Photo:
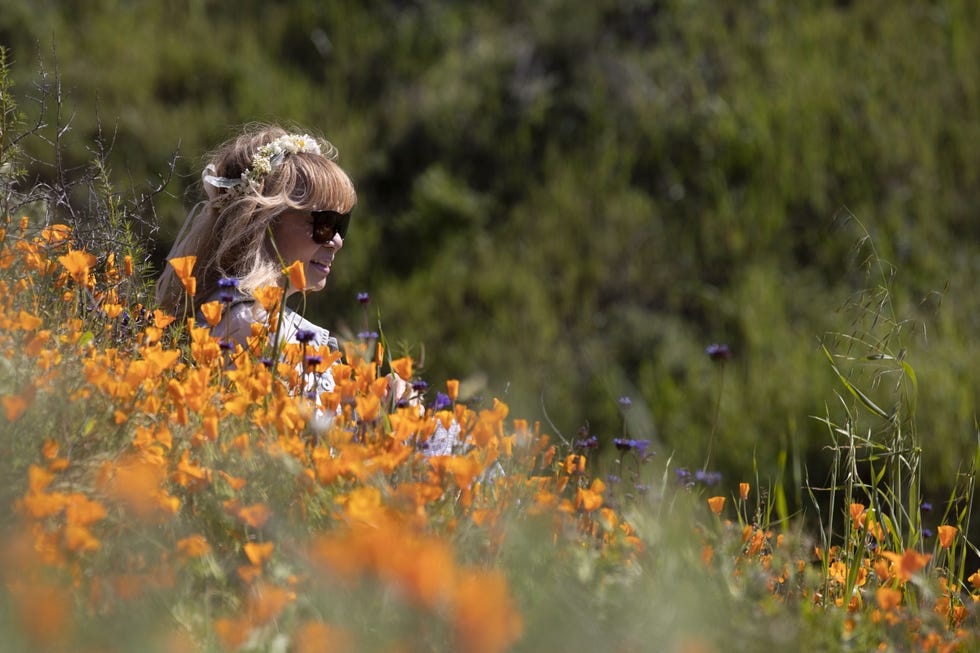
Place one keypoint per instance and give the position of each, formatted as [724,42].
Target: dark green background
[565,202]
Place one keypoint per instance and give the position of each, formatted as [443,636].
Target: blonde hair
[229,232]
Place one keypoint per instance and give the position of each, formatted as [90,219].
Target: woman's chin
[317,286]
[311,286]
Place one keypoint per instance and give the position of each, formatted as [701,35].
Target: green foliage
[154,498]
[567,203]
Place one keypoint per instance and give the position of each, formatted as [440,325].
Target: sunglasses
[327,224]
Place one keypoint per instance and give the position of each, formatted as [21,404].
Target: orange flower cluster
[224,463]
[423,571]
[862,577]
[150,460]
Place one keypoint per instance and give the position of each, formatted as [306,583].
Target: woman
[273,198]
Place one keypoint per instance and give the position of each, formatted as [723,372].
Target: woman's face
[293,234]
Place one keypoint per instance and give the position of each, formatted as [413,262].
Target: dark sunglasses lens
[328,223]
[343,221]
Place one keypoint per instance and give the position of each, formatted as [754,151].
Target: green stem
[714,420]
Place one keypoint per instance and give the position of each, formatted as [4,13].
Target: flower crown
[266,159]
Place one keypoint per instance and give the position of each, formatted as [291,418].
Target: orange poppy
[362,504]
[80,538]
[269,297]
[857,514]
[258,553]
[161,320]
[946,535]
[82,511]
[44,612]
[906,565]
[78,264]
[14,406]
[485,617]
[183,266]
[574,464]
[452,389]
[888,598]
[49,449]
[212,312]
[368,407]
[717,504]
[40,505]
[403,368]
[134,482]
[318,637]
[27,322]
[588,500]
[193,546]
[235,482]
[160,359]
[267,602]
[232,633]
[296,274]
[249,573]
[56,234]
[255,515]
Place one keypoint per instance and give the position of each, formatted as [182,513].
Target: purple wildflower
[706,477]
[718,352]
[313,361]
[639,446]
[685,478]
[228,282]
[419,385]
[442,401]
[305,336]
[363,298]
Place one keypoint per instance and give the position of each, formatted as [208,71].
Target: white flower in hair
[266,159]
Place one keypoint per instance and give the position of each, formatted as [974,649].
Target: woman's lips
[322,266]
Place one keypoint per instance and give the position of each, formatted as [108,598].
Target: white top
[236,323]
[239,315]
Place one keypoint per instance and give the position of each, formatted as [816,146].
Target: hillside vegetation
[565,203]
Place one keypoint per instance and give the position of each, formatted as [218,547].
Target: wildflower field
[165,491]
